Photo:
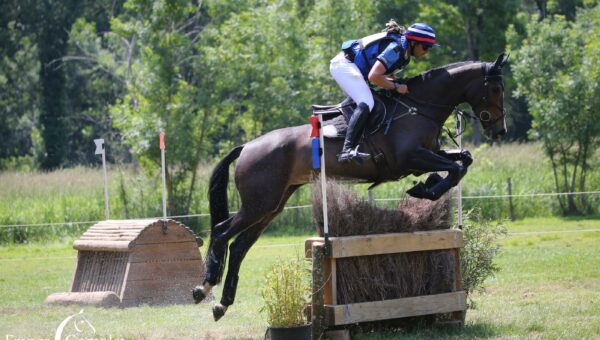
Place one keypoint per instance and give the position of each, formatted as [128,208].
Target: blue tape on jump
[316,155]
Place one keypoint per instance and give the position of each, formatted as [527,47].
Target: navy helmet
[421,33]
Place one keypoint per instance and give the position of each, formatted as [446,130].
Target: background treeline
[214,74]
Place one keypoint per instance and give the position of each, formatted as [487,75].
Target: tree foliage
[557,71]
[217,73]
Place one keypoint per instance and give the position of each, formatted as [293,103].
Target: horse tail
[217,192]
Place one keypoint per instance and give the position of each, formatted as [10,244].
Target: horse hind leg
[215,263]
[217,251]
[238,250]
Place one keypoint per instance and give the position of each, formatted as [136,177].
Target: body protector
[388,48]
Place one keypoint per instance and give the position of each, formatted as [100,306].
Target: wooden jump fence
[327,313]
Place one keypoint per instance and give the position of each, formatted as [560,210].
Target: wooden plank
[379,244]
[103,299]
[167,247]
[328,289]
[120,232]
[175,233]
[397,308]
[166,271]
[161,291]
[333,280]
[459,316]
[166,254]
[318,317]
[102,245]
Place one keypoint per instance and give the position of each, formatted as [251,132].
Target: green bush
[481,247]
[286,292]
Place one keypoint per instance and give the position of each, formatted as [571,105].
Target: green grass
[548,287]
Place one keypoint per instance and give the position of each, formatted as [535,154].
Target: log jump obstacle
[132,262]
[327,313]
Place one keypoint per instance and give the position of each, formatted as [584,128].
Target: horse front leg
[456,155]
[429,161]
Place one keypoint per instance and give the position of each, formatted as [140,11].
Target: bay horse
[271,167]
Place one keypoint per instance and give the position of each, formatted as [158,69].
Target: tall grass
[77,195]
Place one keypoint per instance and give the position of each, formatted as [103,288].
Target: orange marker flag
[162,140]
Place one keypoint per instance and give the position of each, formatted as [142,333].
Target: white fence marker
[324,188]
[164,181]
[101,151]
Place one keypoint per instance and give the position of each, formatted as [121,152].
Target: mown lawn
[548,287]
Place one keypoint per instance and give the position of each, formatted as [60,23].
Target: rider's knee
[370,102]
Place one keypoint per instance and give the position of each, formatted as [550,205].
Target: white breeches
[350,80]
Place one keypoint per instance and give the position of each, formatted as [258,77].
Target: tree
[557,70]
[162,91]
[19,91]
[54,22]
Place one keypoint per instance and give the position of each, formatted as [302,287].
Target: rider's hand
[402,89]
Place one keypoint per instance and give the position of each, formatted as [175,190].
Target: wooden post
[319,322]
[510,202]
[458,316]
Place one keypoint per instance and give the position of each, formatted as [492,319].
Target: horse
[271,167]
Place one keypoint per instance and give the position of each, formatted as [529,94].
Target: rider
[375,58]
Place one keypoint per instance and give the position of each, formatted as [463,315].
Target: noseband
[484,116]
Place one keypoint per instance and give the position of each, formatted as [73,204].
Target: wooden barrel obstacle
[327,312]
[132,262]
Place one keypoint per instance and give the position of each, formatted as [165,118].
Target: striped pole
[318,160]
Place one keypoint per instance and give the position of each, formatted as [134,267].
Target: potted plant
[286,296]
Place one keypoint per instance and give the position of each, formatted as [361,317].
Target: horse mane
[440,71]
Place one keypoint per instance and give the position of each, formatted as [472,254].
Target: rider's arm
[378,76]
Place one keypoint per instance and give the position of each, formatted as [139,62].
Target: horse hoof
[432,180]
[421,191]
[218,311]
[198,294]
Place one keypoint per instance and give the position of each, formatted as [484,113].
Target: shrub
[481,247]
[286,292]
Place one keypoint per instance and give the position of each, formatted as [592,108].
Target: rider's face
[420,50]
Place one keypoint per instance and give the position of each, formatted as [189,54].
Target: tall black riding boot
[355,130]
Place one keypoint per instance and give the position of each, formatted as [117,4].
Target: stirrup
[352,155]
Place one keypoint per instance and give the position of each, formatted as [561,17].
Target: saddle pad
[336,117]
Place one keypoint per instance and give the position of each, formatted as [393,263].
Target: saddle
[337,116]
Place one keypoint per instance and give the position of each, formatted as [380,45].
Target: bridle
[490,74]
[487,77]
[484,116]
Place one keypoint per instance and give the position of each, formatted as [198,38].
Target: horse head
[487,99]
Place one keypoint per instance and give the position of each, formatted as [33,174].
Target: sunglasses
[425,47]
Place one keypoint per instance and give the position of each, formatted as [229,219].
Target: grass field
[548,287]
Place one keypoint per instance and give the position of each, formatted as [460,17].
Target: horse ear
[501,61]
[505,60]
[498,62]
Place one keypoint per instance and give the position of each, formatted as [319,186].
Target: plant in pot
[286,296]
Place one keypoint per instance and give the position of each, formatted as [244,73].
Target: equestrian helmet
[421,33]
